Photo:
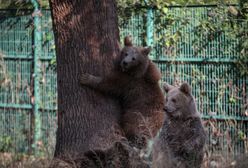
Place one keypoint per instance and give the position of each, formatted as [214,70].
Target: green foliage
[162,3]
[15,4]
[222,19]
[233,21]
[5,143]
[44,3]
[21,4]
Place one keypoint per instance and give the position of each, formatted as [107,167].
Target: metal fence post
[149,29]
[37,52]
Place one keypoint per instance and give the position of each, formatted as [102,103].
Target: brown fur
[119,155]
[134,81]
[182,138]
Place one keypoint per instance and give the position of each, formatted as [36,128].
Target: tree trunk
[86,38]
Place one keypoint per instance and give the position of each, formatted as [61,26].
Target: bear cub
[182,137]
[134,82]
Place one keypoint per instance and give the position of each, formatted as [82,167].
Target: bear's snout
[124,65]
[165,108]
[169,109]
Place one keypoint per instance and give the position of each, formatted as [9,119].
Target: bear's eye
[126,54]
[133,59]
[174,100]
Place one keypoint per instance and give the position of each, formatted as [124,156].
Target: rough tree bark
[86,38]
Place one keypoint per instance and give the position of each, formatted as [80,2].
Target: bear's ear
[146,50]
[128,41]
[167,87]
[185,88]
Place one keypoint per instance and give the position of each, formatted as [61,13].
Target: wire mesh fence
[221,93]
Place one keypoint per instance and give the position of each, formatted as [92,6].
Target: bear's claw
[84,78]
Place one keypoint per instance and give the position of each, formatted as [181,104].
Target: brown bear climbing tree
[134,82]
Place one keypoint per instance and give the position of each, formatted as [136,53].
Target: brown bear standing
[134,82]
[182,138]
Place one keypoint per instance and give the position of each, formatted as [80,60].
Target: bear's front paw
[85,78]
[90,80]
